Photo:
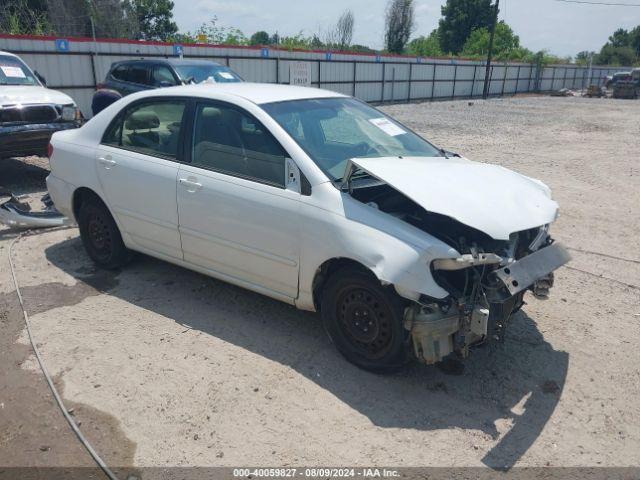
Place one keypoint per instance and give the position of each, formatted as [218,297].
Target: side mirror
[451,154]
[166,83]
[43,81]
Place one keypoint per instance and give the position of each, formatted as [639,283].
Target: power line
[601,3]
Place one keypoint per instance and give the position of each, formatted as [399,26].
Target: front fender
[397,253]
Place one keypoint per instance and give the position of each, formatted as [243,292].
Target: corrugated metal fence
[76,65]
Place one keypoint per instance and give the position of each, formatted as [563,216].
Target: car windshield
[14,72]
[334,130]
[200,73]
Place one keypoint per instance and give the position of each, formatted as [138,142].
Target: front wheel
[100,235]
[365,320]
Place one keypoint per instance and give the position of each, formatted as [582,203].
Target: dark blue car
[132,76]
[135,75]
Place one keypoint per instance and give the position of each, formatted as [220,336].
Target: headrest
[210,113]
[141,120]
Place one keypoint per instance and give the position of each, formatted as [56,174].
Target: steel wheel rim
[365,321]
[99,235]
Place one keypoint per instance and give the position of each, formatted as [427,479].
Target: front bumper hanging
[18,215]
[538,266]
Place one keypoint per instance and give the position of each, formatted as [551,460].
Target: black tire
[100,235]
[364,320]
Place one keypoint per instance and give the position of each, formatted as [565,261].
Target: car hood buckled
[489,198]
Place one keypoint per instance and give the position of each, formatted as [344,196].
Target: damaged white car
[318,200]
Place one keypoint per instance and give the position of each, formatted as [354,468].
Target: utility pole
[487,74]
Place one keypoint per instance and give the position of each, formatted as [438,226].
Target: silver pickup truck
[29,111]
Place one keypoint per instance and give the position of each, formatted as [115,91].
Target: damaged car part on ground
[16,214]
[316,199]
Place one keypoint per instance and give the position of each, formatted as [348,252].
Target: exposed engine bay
[486,283]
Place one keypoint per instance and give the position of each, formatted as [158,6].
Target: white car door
[237,216]
[137,167]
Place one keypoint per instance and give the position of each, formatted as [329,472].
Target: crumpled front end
[485,289]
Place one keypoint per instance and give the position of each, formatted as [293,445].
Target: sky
[562,28]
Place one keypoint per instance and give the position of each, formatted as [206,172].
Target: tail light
[49,150]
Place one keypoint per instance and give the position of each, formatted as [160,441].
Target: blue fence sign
[178,50]
[378,58]
[62,45]
[329,55]
[265,52]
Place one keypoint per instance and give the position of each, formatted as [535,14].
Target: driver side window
[233,142]
[161,76]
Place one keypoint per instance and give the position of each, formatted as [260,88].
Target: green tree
[620,56]
[361,49]
[259,38]
[623,48]
[459,19]
[24,17]
[582,58]
[634,40]
[399,24]
[425,46]
[316,43]
[220,35]
[620,38]
[155,18]
[505,42]
[297,41]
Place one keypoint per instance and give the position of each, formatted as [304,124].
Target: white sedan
[316,199]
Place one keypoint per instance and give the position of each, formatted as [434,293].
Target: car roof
[167,61]
[258,93]
[2,52]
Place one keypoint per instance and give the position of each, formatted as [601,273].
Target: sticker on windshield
[227,75]
[12,72]
[387,127]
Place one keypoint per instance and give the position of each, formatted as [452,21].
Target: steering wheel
[362,149]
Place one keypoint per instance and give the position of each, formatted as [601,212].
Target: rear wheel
[100,235]
[365,320]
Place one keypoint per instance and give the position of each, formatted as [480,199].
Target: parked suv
[618,77]
[136,75]
[29,112]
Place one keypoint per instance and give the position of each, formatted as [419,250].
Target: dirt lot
[167,367]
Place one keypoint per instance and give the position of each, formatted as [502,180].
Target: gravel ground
[192,371]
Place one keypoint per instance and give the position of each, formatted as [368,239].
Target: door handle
[191,185]
[107,162]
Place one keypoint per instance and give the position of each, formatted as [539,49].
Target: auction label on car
[319,472]
[12,72]
[387,126]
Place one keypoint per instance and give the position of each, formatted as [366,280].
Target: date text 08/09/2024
[315,472]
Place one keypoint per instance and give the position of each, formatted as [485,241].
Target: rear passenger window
[150,128]
[138,74]
[120,73]
[233,142]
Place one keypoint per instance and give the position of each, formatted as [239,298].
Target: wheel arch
[327,268]
[82,194]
